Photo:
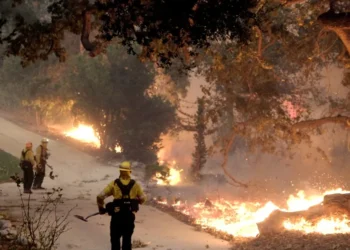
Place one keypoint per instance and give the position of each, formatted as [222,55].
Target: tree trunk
[335,205]
[37,119]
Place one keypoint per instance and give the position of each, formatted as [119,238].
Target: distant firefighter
[28,165]
[41,157]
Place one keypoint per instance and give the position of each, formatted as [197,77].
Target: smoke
[30,11]
[313,167]
[181,146]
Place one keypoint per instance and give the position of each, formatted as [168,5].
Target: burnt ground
[294,241]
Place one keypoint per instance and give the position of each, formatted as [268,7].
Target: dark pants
[39,177]
[28,176]
[38,180]
[122,225]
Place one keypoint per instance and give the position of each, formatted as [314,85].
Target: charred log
[337,204]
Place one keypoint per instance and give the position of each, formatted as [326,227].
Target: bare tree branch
[185,114]
[312,124]
[190,128]
[94,48]
[291,2]
[224,163]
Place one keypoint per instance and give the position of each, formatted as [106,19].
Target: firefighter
[127,194]
[41,157]
[28,165]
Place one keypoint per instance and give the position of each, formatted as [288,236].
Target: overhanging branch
[339,24]
[291,2]
[94,48]
[312,124]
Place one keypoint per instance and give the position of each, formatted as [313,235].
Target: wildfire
[87,134]
[84,133]
[324,226]
[240,219]
[172,179]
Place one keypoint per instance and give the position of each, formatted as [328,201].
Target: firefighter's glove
[102,210]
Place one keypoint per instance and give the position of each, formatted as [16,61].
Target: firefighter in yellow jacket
[127,194]
[28,165]
[41,157]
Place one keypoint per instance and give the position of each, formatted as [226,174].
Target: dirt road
[82,178]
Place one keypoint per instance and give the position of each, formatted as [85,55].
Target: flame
[87,134]
[323,226]
[84,133]
[118,149]
[172,179]
[240,219]
[301,202]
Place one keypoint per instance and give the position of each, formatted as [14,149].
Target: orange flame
[172,179]
[240,219]
[84,133]
[323,226]
[87,134]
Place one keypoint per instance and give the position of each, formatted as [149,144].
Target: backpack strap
[41,153]
[24,154]
[125,188]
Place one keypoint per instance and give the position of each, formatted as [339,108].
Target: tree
[35,88]
[258,90]
[163,28]
[200,154]
[173,23]
[265,91]
[335,18]
[111,93]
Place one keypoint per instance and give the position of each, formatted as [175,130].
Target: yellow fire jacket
[112,189]
[41,152]
[29,156]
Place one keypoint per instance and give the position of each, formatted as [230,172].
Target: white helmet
[45,140]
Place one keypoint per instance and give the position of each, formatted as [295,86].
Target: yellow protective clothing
[113,190]
[29,156]
[41,153]
[125,166]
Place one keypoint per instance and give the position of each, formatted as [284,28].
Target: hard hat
[125,166]
[29,144]
[45,140]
